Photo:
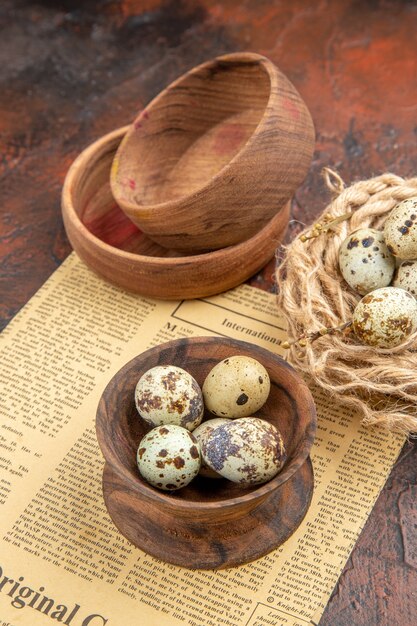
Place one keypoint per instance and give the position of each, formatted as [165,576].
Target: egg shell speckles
[248,451]
[386,317]
[168,457]
[406,277]
[167,394]
[400,230]
[365,261]
[201,433]
[236,387]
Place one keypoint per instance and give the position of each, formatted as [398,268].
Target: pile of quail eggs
[232,445]
[387,314]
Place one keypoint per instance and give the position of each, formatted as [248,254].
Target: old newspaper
[61,559]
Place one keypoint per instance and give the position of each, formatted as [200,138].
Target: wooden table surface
[72,70]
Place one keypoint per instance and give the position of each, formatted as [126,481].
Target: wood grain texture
[194,546]
[113,246]
[73,71]
[213,158]
[192,527]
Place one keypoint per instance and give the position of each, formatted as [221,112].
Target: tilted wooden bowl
[210,523]
[215,155]
[114,247]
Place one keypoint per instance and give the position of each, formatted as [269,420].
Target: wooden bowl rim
[260,492]
[69,211]
[272,72]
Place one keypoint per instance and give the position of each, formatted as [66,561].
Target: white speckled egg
[386,317]
[167,394]
[168,457]
[365,261]
[236,387]
[406,277]
[201,433]
[247,451]
[400,230]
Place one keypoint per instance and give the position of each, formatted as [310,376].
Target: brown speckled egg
[406,277]
[168,457]
[247,451]
[167,394]
[236,387]
[386,317]
[365,261]
[400,230]
[201,433]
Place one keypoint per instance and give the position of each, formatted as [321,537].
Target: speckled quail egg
[405,277]
[386,317]
[201,433]
[247,451]
[236,387]
[167,394]
[365,261]
[400,230]
[168,457]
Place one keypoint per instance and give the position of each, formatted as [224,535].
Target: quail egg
[236,387]
[247,451]
[400,230]
[406,277]
[168,457]
[167,394]
[365,261]
[201,433]
[386,317]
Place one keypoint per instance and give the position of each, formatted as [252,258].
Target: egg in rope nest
[349,300]
[387,315]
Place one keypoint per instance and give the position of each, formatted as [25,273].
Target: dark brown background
[73,70]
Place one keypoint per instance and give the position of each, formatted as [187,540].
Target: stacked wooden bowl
[193,198]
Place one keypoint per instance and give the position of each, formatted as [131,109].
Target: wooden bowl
[113,246]
[210,523]
[215,155]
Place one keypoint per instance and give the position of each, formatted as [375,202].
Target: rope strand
[379,384]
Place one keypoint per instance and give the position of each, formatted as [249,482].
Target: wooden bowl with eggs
[210,523]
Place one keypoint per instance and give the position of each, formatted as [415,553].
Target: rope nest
[380,384]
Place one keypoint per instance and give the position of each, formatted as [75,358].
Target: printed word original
[22,596]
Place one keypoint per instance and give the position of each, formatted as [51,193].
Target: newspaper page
[61,559]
